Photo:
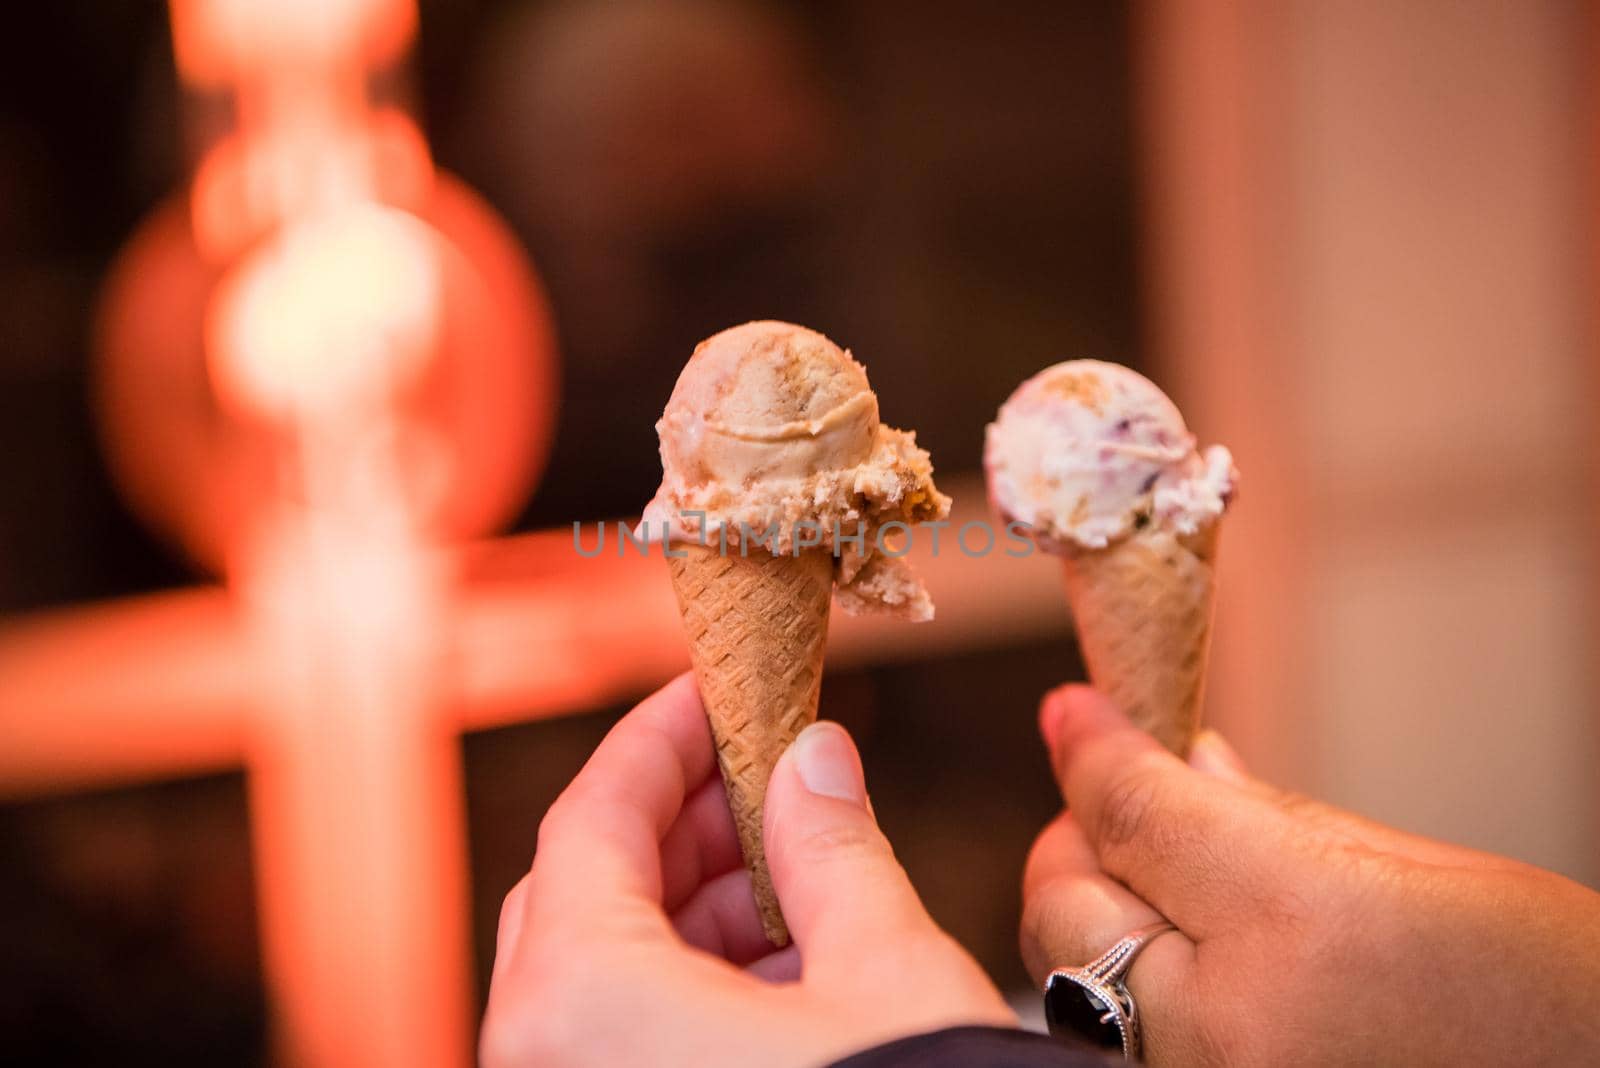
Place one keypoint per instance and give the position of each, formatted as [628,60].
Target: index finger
[600,842]
[1202,851]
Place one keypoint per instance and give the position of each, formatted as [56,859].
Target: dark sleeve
[978,1047]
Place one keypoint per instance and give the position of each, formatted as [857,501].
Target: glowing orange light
[482,411]
[314,336]
[334,311]
[306,434]
[246,185]
[217,42]
[319,366]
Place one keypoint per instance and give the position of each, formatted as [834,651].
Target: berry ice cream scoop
[1085,452]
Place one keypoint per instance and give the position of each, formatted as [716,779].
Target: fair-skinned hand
[635,939]
[1306,935]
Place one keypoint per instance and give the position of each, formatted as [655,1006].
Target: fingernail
[828,764]
[1076,710]
[1212,755]
[1051,710]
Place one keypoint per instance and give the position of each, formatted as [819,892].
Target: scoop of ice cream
[765,403]
[772,436]
[1086,452]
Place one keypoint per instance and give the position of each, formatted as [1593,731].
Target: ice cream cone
[756,625]
[1142,608]
[773,431]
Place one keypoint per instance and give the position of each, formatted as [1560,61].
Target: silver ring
[1092,1002]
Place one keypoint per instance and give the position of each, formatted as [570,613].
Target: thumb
[835,873]
[1197,846]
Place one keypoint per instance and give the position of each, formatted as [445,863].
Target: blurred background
[295,647]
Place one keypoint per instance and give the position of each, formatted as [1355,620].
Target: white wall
[1370,230]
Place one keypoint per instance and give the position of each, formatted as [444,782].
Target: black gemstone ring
[1093,1002]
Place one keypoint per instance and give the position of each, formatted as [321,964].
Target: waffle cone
[1142,608]
[756,627]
